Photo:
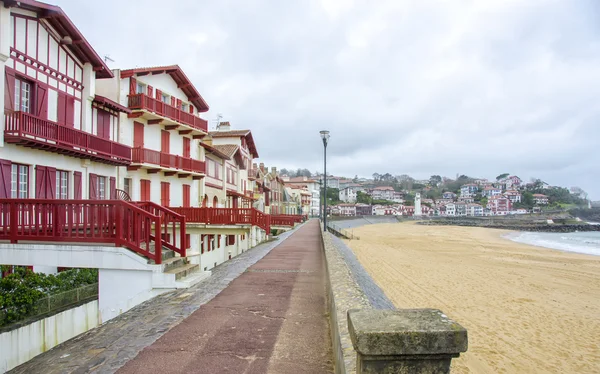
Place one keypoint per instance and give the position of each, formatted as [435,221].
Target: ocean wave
[578,244]
[581,239]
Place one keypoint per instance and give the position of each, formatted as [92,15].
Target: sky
[405,87]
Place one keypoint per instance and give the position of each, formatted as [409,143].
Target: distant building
[468,190]
[347,209]
[474,210]
[383,193]
[513,195]
[461,209]
[491,191]
[540,199]
[449,195]
[467,200]
[499,205]
[364,210]
[511,182]
[348,195]
[450,209]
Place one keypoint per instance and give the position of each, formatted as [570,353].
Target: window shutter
[145,189]
[132,86]
[5,177]
[42,102]
[9,92]
[186,196]
[70,111]
[77,185]
[138,134]
[93,187]
[202,236]
[113,188]
[178,104]
[188,241]
[165,192]
[191,109]
[150,90]
[165,140]
[172,101]
[40,182]
[50,183]
[186,147]
[158,94]
[62,109]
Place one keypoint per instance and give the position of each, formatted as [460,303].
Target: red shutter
[62,109]
[202,236]
[50,183]
[165,138]
[191,109]
[103,124]
[150,90]
[165,192]
[132,86]
[77,185]
[93,187]
[188,241]
[186,196]
[172,101]
[158,94]
[145,190]
[5,177]
[70,111]
[40,182]
[138,134]
[9,92]
[113,188]
[178,104]
[42,102]
[186,147]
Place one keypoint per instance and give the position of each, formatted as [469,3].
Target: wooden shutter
[132,86]
[186,196]
[93,187]
[9,92]
[40,182]
[113,188]
[77,185]
[165,138]
[145,190]
[191,109]
[103,124]
[186,147]
[173,101]
[5,177]
[138,134]
[178,104]
[165,194]
[70,111]
[188,241]
[50,183]
[62,109]
[150,90]
[41,99]
[158,94]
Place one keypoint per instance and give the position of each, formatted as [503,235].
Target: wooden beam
[158,72]
[134,167]
[197,177]
[153,171]
[184,175]
[170,173]
[184,85]
[142,73]
[155,121]
[185,132]
[171,127]
[135,115]
[196,137]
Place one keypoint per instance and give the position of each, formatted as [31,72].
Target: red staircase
[170,220]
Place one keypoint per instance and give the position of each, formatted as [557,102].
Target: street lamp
[325,137]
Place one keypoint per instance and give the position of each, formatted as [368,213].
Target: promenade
[270,317]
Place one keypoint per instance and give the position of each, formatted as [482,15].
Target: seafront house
[499,205]
[540,199]
[450,209]
[382,193]
[348,210]
[461,209]
[449,195]
[313,187]
[474,210]
[491,191]
[513,195]
[468,190]
[347,195]
[364,209]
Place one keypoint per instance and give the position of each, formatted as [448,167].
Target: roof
[247,134]
[214,151]
[111,104]
[301,180]
[384,188]
[227,149]
[539,195]
[183,82]
[60,22]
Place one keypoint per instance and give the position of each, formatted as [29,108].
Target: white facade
[348,195]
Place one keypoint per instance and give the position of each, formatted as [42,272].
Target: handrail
[22,125]
[145,102]
[225,216]
[167,160]
[86,221]
[170,220]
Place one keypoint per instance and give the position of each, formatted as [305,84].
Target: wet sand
[527,309]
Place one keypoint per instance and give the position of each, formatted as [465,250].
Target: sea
[579,242]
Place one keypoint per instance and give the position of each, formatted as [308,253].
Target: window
[140,88]
[19,182]
[101,188]
[185,107]
[23,95]
[127,186]
[165,98]
[62,183]
[213,169]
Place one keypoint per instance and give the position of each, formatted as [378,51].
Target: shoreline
[520,303]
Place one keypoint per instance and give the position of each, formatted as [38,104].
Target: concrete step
[173,262]
[192,279]
[184,270]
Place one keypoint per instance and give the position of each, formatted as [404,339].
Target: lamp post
[325,137]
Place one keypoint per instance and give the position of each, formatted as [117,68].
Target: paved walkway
[109,347]
[271,319]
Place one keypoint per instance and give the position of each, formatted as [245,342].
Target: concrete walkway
[271,319]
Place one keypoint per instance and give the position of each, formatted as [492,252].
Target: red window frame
[17,170]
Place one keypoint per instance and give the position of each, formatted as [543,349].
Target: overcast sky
[406,87]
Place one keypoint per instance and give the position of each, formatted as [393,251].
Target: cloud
[419,87]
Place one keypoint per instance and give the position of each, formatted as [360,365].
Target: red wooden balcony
[31,131]
[226,216]
[116,222]
[167,162]
[158,110]
[285,220]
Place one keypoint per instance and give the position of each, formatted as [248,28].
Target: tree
[405,181]
[285,171]
[355,180]
[376,177]
[363,198]
[502,176]
[435,180]
[527,199]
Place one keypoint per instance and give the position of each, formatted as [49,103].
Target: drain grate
[278,271]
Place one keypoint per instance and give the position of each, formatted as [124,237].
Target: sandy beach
[527,309]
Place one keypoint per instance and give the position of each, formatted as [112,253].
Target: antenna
[218,120]
[107,58]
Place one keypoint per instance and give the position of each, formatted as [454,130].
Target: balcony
[30,131]
[157,111]
[156,161]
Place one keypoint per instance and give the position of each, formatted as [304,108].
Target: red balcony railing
[226,216]
[285,220]
[25,128]
[170,222]
[83,221]
[143,155]
[145,102]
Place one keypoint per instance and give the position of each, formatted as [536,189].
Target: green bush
[20,291]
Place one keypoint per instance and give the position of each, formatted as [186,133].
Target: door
[138,135]
[165,139]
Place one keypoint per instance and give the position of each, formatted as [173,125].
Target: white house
[468,190]
[474,210]
[491,191]
[540,199]
[513,195]
[348,195]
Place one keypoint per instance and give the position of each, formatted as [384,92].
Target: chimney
[207,140]
[224,126]
[262,166]
[305,178]
[254,167]
[273,169]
